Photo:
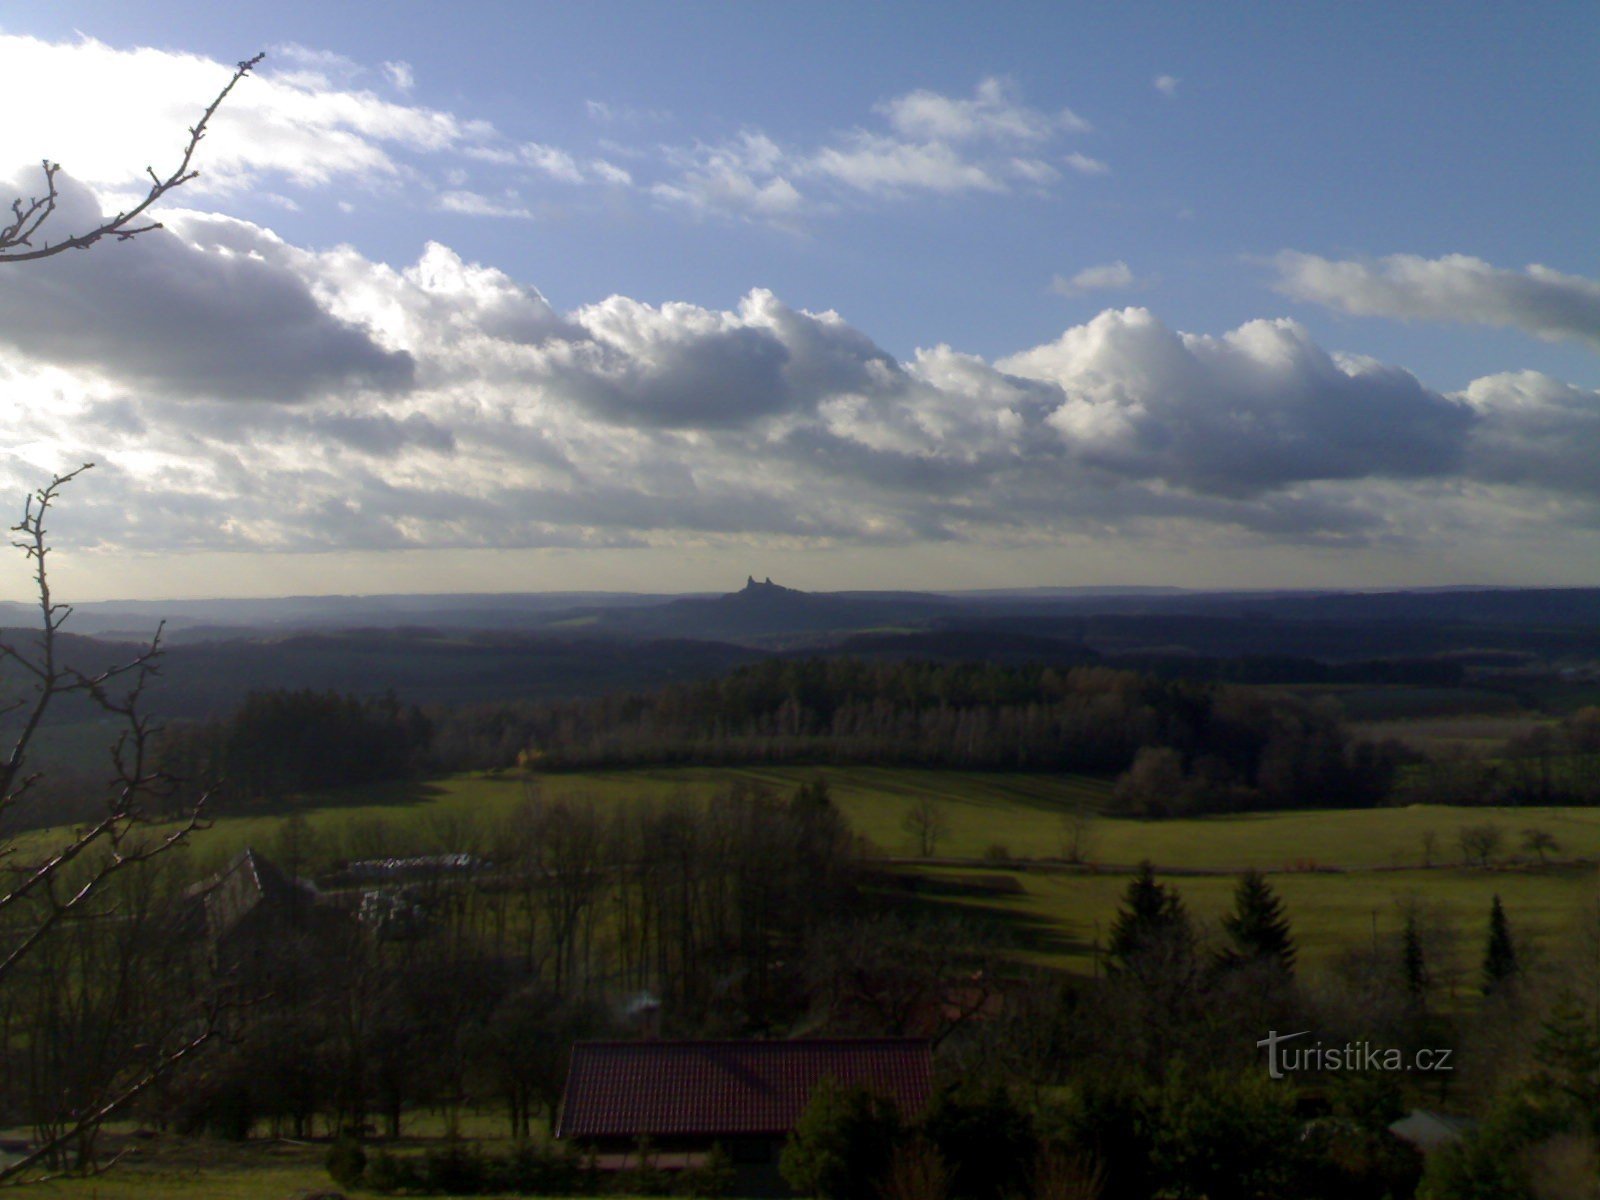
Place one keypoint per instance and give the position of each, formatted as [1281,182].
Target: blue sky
[1272,294]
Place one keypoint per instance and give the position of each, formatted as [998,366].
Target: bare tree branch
[17,239]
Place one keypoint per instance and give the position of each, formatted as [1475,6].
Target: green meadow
[1343,873]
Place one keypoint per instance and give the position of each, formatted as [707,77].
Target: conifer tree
[1257,927]
[1152,917]
[1500,957]
[1413,964]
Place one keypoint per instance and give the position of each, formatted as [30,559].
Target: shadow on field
[978,900]
[398,794]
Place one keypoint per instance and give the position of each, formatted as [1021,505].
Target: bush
[841,1147]
[986,1139]
[712,1178]
[531,1170]
[455,1170]
[347,1162]
[387,1174]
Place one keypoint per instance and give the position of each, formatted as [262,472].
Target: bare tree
[1480,843]
[1077,833]
[46,893]
[68,890]
[25,238]
[1540,842]
[925,824]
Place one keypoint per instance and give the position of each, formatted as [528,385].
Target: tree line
[1181,745]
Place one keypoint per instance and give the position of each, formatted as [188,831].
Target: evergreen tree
[1568,1053]
[1500,958]
[1413,964]
[1152,919]
[1257,926]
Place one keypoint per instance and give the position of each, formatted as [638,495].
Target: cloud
[1113,275]
[1457,287]
[1261,407]
[303,118]
[447,404]
[1167,85]
[219,313]
[1535,431]
[884,166]
[401,75]
[934,144]
[608,112]
[995,112]
[472,204]
[1085,165]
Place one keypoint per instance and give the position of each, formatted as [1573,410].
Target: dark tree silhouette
[1414,964]
[1500,955]
[1152,920]
[1257,927]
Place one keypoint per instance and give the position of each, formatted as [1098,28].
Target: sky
[507,297]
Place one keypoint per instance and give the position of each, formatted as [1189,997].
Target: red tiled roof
[729,1089]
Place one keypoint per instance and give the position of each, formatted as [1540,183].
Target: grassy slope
[1368,861]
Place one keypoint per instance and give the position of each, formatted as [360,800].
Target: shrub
[455,1170]
[387,1174]
[712,1178]
[347,1162]
[985,1137]
[841,1146]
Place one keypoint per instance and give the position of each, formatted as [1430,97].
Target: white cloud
[448,405]
[935,144]
[556,163]
[995,112]
[1167,85]
[1457,287]
[608,112]
[401,75]
[884,166]
[307,124]
[1111,275]
[472,204]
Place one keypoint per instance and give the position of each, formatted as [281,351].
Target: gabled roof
[250,882]
[729,1088]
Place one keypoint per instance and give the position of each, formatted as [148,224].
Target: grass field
[1059,918]
[1023,813]
[1340,871]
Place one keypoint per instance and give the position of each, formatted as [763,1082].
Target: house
[253,908]
[684,1097]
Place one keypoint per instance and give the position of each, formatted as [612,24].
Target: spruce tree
[1257,927]
[1413,965]
[1152,917]
[1500,957]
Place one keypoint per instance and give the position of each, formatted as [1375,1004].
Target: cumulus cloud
[1259,408]
[447,404]
[1107,276]
[473,204]
[214,314]
[1457,287]
[1535,431]
[1167,85]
